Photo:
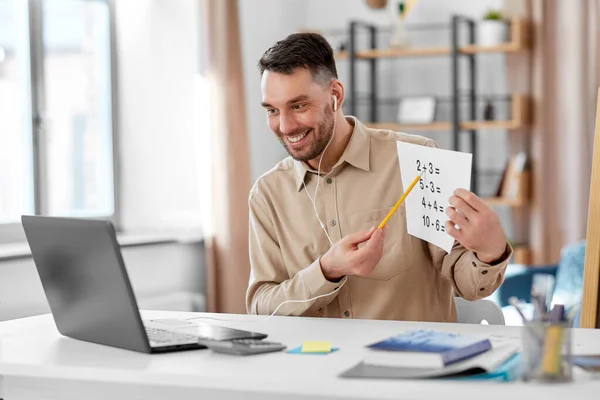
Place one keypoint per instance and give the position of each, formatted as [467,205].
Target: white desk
[37,363]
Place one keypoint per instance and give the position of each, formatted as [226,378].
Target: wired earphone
[313,201]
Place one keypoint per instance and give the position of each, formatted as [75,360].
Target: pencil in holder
[547,351]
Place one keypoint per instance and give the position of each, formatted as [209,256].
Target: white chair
[478,311]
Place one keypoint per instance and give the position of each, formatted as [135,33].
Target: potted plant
[492,30]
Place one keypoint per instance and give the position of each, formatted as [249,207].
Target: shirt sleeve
[472,278]
[270,284]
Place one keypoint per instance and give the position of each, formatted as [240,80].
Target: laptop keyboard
[165,337]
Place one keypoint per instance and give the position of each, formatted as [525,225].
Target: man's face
[299,112]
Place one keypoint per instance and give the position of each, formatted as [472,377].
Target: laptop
[83,275]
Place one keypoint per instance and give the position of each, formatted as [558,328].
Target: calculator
[243,347]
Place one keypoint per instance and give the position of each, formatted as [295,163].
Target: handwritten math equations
[442,172]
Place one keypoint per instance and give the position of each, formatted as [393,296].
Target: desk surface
[33,348]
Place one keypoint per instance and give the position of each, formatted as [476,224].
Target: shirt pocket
[397,248]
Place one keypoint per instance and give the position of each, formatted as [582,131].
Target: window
[16,150]
[56,111]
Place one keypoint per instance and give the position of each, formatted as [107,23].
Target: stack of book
[435,354]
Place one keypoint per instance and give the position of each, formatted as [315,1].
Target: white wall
[262,23]
[158,59]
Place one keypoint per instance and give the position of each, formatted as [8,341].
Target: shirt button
[347,313]
[484,271]
[328,180]
[481,289]
[332,223]
[473,263]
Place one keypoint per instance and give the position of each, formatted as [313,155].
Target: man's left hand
[479,226]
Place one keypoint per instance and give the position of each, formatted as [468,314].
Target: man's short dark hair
[301,50]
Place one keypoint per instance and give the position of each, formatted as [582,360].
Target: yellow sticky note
[316,347]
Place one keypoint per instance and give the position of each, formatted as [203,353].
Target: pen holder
[546,351]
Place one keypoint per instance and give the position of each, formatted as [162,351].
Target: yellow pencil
[552,360]
[393,210]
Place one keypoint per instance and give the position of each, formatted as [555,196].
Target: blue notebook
[501,363]
[425,349]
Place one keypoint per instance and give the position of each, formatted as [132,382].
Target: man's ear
[337,90]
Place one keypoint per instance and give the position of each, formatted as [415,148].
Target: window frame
[13,232]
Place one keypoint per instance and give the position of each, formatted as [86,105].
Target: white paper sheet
[443,171]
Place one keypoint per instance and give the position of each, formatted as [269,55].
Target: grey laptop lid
[85,281]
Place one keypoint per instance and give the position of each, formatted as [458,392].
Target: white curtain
[226,233]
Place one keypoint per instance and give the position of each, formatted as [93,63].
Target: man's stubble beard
[324,131]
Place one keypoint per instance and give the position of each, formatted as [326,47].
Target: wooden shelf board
[501,48]
[490,125]
[436,126]
[398,53]
[430,51]
[445,126]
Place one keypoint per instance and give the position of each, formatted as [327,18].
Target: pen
[557,314]
[539,305]
[393,210]
[541,292]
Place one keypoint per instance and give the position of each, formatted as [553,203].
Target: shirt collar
[357,152]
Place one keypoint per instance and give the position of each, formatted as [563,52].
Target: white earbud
[334,103]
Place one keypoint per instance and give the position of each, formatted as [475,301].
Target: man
[314,241]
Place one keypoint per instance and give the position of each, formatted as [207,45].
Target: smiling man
[314,241]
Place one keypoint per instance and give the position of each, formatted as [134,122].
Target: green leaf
[494,15]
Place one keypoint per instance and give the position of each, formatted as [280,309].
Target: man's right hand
[346,258]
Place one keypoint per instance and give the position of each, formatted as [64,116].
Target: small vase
[491,33]
[399,38]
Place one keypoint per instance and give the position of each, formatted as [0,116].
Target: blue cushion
[569,276]
[517,282]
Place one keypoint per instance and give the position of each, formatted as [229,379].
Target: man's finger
[359,237]
[373,248]
[471,199]
[456,217]
[462,207]
[452,231]
[376,239]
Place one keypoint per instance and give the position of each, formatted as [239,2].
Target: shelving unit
[519,110]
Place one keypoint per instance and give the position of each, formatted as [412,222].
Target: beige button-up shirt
[414,280]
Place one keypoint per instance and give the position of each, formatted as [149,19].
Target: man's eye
[298,106]
[271,111]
